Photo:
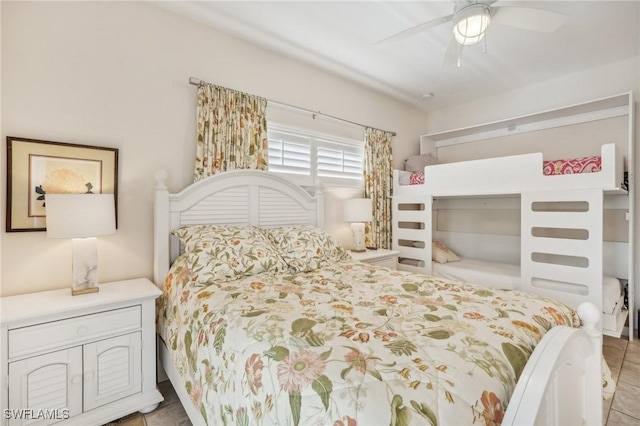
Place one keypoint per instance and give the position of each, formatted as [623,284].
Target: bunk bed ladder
[411,232]
[561,253]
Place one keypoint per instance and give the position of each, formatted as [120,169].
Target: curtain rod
[197,82]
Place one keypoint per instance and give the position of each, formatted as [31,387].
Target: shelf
[614,106]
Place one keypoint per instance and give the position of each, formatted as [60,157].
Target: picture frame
[35,167]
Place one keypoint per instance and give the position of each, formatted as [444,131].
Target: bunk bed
[345,342]
[561,222]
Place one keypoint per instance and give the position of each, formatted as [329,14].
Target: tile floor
[624,361]
[170,411]
[622,410]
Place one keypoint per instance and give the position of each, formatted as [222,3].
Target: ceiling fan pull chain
[484,46]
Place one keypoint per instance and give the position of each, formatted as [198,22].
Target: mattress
[612,292]
[507,276]
[349,343]
[591,164]
[491,274]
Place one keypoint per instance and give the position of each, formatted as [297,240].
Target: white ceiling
[342,36]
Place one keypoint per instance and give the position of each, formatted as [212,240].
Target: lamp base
[85,266]
[357,233]
[85,291]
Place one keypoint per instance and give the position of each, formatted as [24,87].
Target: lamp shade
[470,23]
[357,210]
[80,215]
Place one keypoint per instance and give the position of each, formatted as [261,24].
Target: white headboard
[238,197]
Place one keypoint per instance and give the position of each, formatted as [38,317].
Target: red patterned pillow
[572,166]
[416,179]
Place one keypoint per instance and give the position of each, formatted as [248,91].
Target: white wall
[116,74]
[615,78]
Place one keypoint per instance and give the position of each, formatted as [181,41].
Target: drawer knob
[76,379]
[82,330]
[88,375]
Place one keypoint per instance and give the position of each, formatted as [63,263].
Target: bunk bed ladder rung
[418,217]
[561,253]
[562,247]
[411,234]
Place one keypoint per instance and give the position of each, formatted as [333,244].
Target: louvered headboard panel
[239,197]
[229,207]
[277,208]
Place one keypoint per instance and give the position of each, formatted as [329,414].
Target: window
[307,157]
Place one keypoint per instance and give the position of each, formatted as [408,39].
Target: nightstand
[380,257]
[86,359]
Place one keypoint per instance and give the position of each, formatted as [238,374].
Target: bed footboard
[562,381]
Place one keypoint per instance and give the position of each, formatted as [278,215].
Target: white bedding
[611,293]
[500,275]
[507,276]
[404,177]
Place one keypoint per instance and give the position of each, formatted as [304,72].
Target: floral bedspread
[350,344]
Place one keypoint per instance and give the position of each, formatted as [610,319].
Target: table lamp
[81,217]
[357,211]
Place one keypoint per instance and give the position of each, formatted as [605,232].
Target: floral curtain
[378,185]
[231,131]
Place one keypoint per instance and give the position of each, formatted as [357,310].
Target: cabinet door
[112,370]
[46,388]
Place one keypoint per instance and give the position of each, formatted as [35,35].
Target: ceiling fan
[471,19]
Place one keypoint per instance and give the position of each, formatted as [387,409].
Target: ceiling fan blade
[528,19]
[417,29]
[452,55]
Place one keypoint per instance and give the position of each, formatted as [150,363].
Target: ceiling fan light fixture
[470,23]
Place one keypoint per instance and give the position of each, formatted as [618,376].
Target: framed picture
[36,168]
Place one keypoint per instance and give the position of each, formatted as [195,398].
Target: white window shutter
[339,160]
[289,153]
[312,157]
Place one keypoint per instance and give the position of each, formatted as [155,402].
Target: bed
[529,171]
[563,166]
[313,337]
[542,187]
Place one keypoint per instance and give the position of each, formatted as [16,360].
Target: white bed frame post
[546,392]
[160,229]
[633,272]
[318,194]
[590,316]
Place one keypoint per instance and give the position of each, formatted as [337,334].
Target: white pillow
[441,253]
[417,163]
[404,177]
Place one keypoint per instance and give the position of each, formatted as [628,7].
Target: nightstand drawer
[50,335]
